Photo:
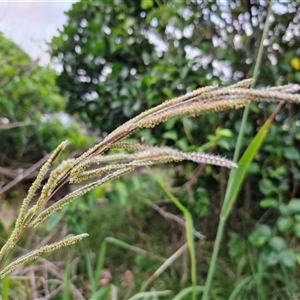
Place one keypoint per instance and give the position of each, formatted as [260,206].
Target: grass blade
[189,233]
[238,175]
[234,184]
[183,294]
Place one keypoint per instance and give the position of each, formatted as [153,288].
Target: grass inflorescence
[96,166]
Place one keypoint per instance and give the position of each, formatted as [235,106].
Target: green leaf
[283,209]
[297,230]
[254,168]
[188,124]
[291,153]
[182,144]
[294,206]
[260,235]
[224,132]
[297,76]
[236,246]
[297,218]
[101,294]
[277,243]
[266,186]
[146,4]
[272,258]
[279,172]
[284,224]
[268,203]
[128,22]
[238,9]
[298,258]
[171,135]
[170,124]
[119,193]
[237,175]
[224,143]
[53,220]
[264,229]
[288,258]
[220,53]
[167,92]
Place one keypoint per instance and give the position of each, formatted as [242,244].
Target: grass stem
[228,201]
[189,235]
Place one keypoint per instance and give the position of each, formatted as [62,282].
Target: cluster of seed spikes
[97,167]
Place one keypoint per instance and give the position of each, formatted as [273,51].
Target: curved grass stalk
[150,295]
[183,294]
[189,235]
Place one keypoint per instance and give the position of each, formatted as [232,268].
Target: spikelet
[55,177]
[203,100]
[127,146]
[149,156]
[40,177]
[241,84]
[289,88]
[129,127]
[37,253]
[36,184]
[76,194]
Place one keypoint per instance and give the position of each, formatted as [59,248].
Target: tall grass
[113,157]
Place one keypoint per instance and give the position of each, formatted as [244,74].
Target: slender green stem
[189,234]
[67,280]
[100,262]
[255,75]
[213,261]
[227,201]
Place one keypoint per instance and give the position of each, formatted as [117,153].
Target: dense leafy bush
[121,58]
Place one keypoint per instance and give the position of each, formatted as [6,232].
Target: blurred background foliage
[119,58]
[32,118]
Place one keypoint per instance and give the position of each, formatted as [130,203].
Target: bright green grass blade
[101,294]
[100,261]
[240,286]
[5,288]
[66,292]
[238,175]
[189,233]
[89,266]
[184,294]
[235,181]
[150,295]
